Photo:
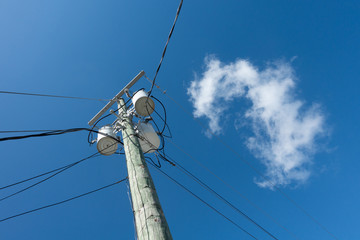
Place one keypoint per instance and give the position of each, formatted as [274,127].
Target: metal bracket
[117,96]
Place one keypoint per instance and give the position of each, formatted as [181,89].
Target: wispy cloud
[284,132]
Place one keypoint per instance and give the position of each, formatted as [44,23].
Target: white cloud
[284,131]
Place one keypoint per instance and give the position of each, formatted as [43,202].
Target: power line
[251,166]
[53,96]
[203,201]
[167,42]
[52,133]
[43,134]
[61,202]
[37,176]
[25,131]
[45,179]
[207,187]
[235,190]
[163,119]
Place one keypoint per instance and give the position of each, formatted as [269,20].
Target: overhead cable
[54,132]
[207,187]
[54,96]
[235,190]
[61,202]
[163,119]
[45,179]
[37,176]
[167,42]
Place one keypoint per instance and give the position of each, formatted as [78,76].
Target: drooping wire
[54,96]
[164,51]
[163,119]
[61,202]
[203,201]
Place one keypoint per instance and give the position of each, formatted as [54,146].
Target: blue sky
[93,48]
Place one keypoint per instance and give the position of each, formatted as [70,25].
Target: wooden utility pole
[149,217]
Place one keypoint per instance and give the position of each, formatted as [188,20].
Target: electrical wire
[235,190]
[158,165]
[37,176]
[211,190]
[203,201]
[164,51]
[61,202]
[54,96]
[26,131]
[252,167]
[44,134]
[52,133]
[46,179]
[163,119]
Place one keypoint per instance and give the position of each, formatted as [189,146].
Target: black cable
[51,176]
[25,131]
[203,201]
[158,165]
[162,156]
[163,119]
[61,202]
[49,133]
[90,135]
[235,190]
[164,51]
[207,187]
[54,132]
[54,96]
[37,176]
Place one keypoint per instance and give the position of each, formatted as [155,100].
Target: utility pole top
[116,98]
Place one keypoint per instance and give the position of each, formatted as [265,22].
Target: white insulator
[148,139]
[106,144]
[144,105]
